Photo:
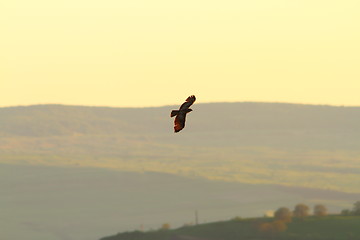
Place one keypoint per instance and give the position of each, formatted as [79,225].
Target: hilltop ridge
[334,227]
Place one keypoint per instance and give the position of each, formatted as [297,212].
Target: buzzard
[181,113]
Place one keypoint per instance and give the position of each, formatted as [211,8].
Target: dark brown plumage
[180,114]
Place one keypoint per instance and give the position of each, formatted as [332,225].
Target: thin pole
[196,218]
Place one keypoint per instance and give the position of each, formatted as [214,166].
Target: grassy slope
[314,228]
[78,203]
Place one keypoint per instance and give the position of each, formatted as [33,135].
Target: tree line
[284,215]
[355,211]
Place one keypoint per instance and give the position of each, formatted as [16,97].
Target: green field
[333,227]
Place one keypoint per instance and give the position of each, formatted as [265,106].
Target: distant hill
[270,143]
[269,123]
[314,228]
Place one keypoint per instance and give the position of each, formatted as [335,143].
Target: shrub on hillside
[320,210]
[301,211]
[272,227]
[356,209]
[283,214]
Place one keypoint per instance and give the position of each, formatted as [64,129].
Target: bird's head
[189,110]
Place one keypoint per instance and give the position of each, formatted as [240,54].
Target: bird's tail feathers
[174,113]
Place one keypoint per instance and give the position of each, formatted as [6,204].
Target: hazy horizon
[175,104]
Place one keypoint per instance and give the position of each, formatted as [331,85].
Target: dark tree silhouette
[345,212]
[320,210]
[356,209]
[301,211]
[283,214]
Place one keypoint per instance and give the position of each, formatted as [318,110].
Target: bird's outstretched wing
[179,122]
[188,102]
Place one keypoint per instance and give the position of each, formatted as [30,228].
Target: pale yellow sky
[151,53]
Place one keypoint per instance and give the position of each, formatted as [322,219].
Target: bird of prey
[181,113]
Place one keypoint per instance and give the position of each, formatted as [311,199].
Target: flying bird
[181,113]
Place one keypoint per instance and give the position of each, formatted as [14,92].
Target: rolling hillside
[314,228]
[269,143]
[79,203]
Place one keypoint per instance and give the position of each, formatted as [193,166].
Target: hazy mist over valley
[75,172]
